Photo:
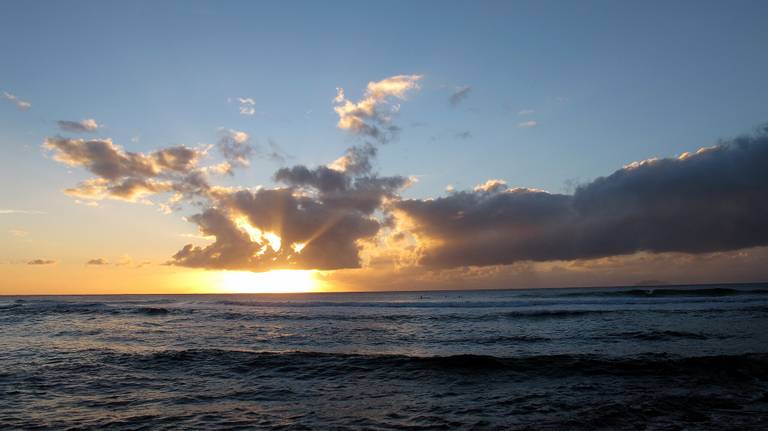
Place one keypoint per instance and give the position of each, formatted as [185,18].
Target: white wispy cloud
[247,106]
[364,117]
[9,211]
[23,105]
[527,124]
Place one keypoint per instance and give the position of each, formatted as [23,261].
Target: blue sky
[610,83]
[607,83]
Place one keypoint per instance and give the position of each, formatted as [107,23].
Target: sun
[277,281]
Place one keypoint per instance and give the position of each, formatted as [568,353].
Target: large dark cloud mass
[713,200]
[312,235]
[319,219]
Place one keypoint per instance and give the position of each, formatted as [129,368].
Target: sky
[188,147]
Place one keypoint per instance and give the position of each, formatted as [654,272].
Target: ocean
[681,357]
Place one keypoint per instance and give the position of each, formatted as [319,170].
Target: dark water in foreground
[655,358]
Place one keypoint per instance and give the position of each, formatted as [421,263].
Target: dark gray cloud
[238,150]
[466,134]
[101,157]
[713,200]
[316,222]
[357,160]
[235,146]
[97,262]
[126,175]
[179,158]
[459,95]
[275,153]
[319,220]
[312,234]
[363,194]
[322,178]
[41,262]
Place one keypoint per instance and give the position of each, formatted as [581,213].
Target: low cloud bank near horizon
[715,199]
[41,262]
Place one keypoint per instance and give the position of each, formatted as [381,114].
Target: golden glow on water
[278,281]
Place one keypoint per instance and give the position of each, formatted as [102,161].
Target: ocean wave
[662,335]
[285,315]
[497,339]
[221,389]
[729,367]
[85,308]
[657,292]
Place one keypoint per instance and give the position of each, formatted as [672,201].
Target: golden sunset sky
[276,148]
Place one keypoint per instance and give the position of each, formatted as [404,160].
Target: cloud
[715,199]
[111,162]
[235,146]
[10,211]
[18,233]
[365,117]
[314,223]
[97,262]
[129,189]
[466,134]
[247,106]
[491,186]
[126,175]
[526,112]
[356,160]
[124,260]
[20,104]
[276,154]
[82,126]
[238,151]
[343,214]
[41,262]
[527,124]
[459,95]
[321,216]
[272,229]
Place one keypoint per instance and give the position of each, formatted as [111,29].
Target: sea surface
[682,357]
